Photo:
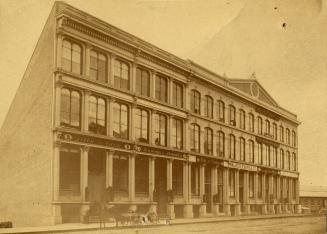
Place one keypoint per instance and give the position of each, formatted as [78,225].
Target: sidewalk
[61,228]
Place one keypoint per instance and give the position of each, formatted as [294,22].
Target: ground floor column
[203,207]
[56,212]
[214,189]
[226,205]
[264,198]
[279,199]
[153,207]
[188,208]
[246,205]
[131,177]
[109,168]
[170,205]
[271,208]
[84,180]
[237,193]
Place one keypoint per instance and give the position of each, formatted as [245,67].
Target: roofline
[187,65]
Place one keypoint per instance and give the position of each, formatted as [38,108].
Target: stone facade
[129,124]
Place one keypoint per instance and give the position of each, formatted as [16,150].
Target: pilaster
[84,172]
[131,177]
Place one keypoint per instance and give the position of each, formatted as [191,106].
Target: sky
[232,37]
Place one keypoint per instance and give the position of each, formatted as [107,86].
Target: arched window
[160,129]
[275,131]
[98,66]
[232,115]
[287,136]
[242,119]
[141,122]
[195,102]
[242,149]
[71,57]
[121,80]
[267,133]
[161,88]
[231,146]
[281,133]
[282,159]
[221,111]
[208,141]
[251,151]
[142,83]
[221,144]
[293,138]
[121,123]
[259,125]
[251,122]
[97,115]
[208,106]
[195,138]
[70,111]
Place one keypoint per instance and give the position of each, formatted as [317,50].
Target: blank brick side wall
[26,141]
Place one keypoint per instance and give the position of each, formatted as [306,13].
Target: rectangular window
[177,177]
[70,108]
[177,95]
[251,151]
[69,175]
[142,175]
[195,102]
[242,149]
[97,115]
[177,133]
[232,117]
[71,57]
[120,174]
[208,141]
[231,183]
[161,89]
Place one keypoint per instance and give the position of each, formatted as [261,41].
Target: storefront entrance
[160,194]
[96,174]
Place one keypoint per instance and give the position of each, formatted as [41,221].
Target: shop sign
[240,166]
[289,174]
[74,137]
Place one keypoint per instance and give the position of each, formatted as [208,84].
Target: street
[292,225]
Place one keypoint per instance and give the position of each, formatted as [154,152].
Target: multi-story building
[102,115]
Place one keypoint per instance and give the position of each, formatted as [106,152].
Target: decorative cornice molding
[115,42]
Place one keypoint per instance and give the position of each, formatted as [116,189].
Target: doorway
[161,185]
[96,174]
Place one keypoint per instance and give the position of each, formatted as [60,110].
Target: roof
[313,191]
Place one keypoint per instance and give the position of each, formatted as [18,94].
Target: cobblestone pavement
[290,225]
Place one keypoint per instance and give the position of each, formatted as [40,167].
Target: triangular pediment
[253,88]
